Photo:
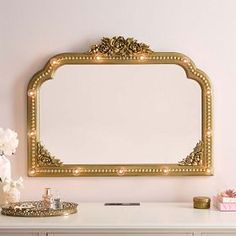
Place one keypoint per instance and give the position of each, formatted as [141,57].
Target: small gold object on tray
[37,209]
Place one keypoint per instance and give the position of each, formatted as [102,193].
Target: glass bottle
[47,198]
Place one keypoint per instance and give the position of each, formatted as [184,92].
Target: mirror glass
[119,114]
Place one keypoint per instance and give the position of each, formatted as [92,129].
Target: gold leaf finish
[119,46]
[119,51]
[195,157]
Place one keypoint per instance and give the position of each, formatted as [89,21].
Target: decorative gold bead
[208,133]
[165,171]
[32,133]
[142,58]
[31,93]
[185,60]
[121,171]
[32,172]
[53,61]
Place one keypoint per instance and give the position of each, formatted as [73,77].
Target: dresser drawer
[122,234]
[18,234]
[219,234]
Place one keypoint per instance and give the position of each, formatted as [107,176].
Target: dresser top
[145,216]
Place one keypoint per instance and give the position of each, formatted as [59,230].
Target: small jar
[57,201]
[201,202]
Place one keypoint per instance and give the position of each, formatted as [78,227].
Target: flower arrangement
[8,144]
[11,190]
[10,184]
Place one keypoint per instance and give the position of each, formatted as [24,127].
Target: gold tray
[37,209]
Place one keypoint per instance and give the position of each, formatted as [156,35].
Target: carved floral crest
[119,46]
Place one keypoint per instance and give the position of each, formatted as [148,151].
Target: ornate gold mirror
[120,109]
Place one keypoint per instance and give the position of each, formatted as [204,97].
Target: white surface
[109,114]
[32,31]
[149,217]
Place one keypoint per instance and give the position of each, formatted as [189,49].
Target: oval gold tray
[37,209]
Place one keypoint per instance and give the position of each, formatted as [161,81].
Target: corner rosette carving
[45,159]
[119,46]
[195,157]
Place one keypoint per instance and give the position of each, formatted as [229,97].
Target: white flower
[8,184]
[8,142]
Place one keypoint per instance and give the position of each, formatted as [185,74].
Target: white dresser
[149,219]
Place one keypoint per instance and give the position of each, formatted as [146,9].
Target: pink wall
[33,31]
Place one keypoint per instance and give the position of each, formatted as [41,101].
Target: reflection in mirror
[119,114]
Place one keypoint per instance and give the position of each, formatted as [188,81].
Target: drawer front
[18,234]
[119,234]
[219,234]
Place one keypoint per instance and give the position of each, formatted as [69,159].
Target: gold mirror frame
[118,50]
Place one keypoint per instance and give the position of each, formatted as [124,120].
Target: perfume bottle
[57,201]
[48,198]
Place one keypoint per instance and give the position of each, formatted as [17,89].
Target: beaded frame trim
[117,51]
